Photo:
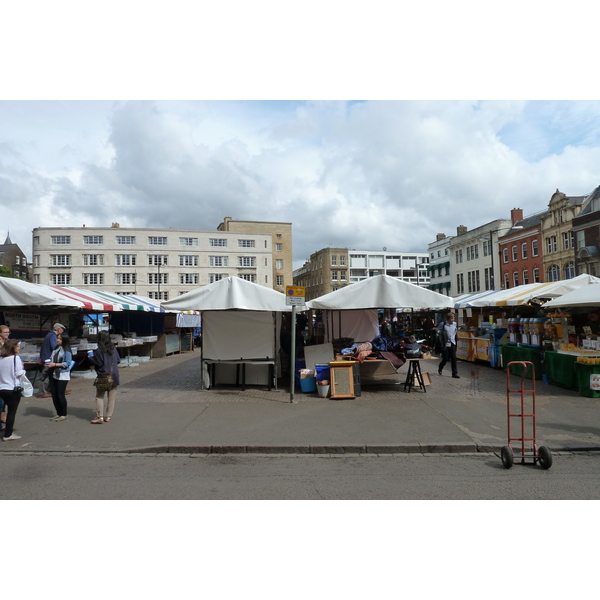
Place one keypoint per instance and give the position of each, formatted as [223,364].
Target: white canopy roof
[584,296]
[230,293]
[381,291]
[16,292]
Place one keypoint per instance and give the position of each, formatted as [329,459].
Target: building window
[60,260]
[570,270]
[188,241]
[157,259]
[536,276]
[61,279]
[91,240]
[279,280]
[156,278]
[487,279]
[506,281]
[188,260]
[553,273]
[515,279]
[36,279]
[342,275]
[524,250]
[158,295]
[279,263]
[551,244]
[62,240]
[217,242]
[125,260]
[566,240]
[342,261]
[212,277]
[333,260]
[487,247]
[525,277]
[157,240]
[279,247]
[580,240]
[246,261]
[125,278]
[217,261]
[334,275]
[36,240]
[126,240]
[534,247]
[36,260]
[189,278]
[93,260]
[514,254]
[249,277]
[505,255]
[246,243]
[93,278]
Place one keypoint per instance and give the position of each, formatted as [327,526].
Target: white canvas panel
[232,334]
[360,325]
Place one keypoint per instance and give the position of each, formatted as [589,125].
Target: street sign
[294,295]
[295,291]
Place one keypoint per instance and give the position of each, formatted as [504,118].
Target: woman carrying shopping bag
[105,360]
[11,369]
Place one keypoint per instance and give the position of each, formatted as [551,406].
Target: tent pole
[293,355]
[202,359]
[339,324]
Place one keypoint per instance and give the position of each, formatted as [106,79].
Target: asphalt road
[481,476]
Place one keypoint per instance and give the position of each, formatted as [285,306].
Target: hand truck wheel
[508,457]
[544,457]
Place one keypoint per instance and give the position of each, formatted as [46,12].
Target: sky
[361,175]
[375,153]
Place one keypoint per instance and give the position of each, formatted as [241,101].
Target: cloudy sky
[390,170]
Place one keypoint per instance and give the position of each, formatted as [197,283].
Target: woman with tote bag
[11,370]
[105,360]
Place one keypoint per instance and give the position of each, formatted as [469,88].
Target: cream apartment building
[156,263]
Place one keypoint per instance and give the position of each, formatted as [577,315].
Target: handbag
[105,382]
[25,388]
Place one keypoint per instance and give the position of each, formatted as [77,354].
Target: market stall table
[512,353]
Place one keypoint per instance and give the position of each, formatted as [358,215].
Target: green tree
[5,272]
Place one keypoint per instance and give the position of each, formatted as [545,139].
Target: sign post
[294,296]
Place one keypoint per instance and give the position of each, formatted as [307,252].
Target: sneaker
[63,418]
[14,436]
[439,371]
[55,418]
[456,376]
[97,421]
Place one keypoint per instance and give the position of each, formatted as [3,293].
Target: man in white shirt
[447,333]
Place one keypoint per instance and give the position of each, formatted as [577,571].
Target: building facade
[281,244]
[586,230]
[440,278]
[558,236]
[329,269]
[157,263]
[13,258]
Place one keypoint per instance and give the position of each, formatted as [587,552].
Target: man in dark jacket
[48,346]
[447,333]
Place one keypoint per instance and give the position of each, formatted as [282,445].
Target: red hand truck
[541,454]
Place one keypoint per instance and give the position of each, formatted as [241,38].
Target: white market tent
[524,294]
[16,293]
[588,296]
[240,321]
[360,301]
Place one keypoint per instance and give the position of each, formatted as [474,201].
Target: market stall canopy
[588,296]
[230,293]
[381,291]
[19,293]
[524,294]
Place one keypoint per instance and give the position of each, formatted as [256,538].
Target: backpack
[413,350]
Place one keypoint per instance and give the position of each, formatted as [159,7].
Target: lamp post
[159,263]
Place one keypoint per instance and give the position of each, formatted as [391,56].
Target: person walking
[447,332]
[11,369]
[61,375]
[105,360]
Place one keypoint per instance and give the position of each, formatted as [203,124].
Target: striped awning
[88,300]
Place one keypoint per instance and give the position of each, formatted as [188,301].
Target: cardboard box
[306,373]
[426,379]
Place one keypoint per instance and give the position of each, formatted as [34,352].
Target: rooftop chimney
[440,236]
[516,215]
[461,229]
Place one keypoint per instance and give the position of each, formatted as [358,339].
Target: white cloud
[361,175]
